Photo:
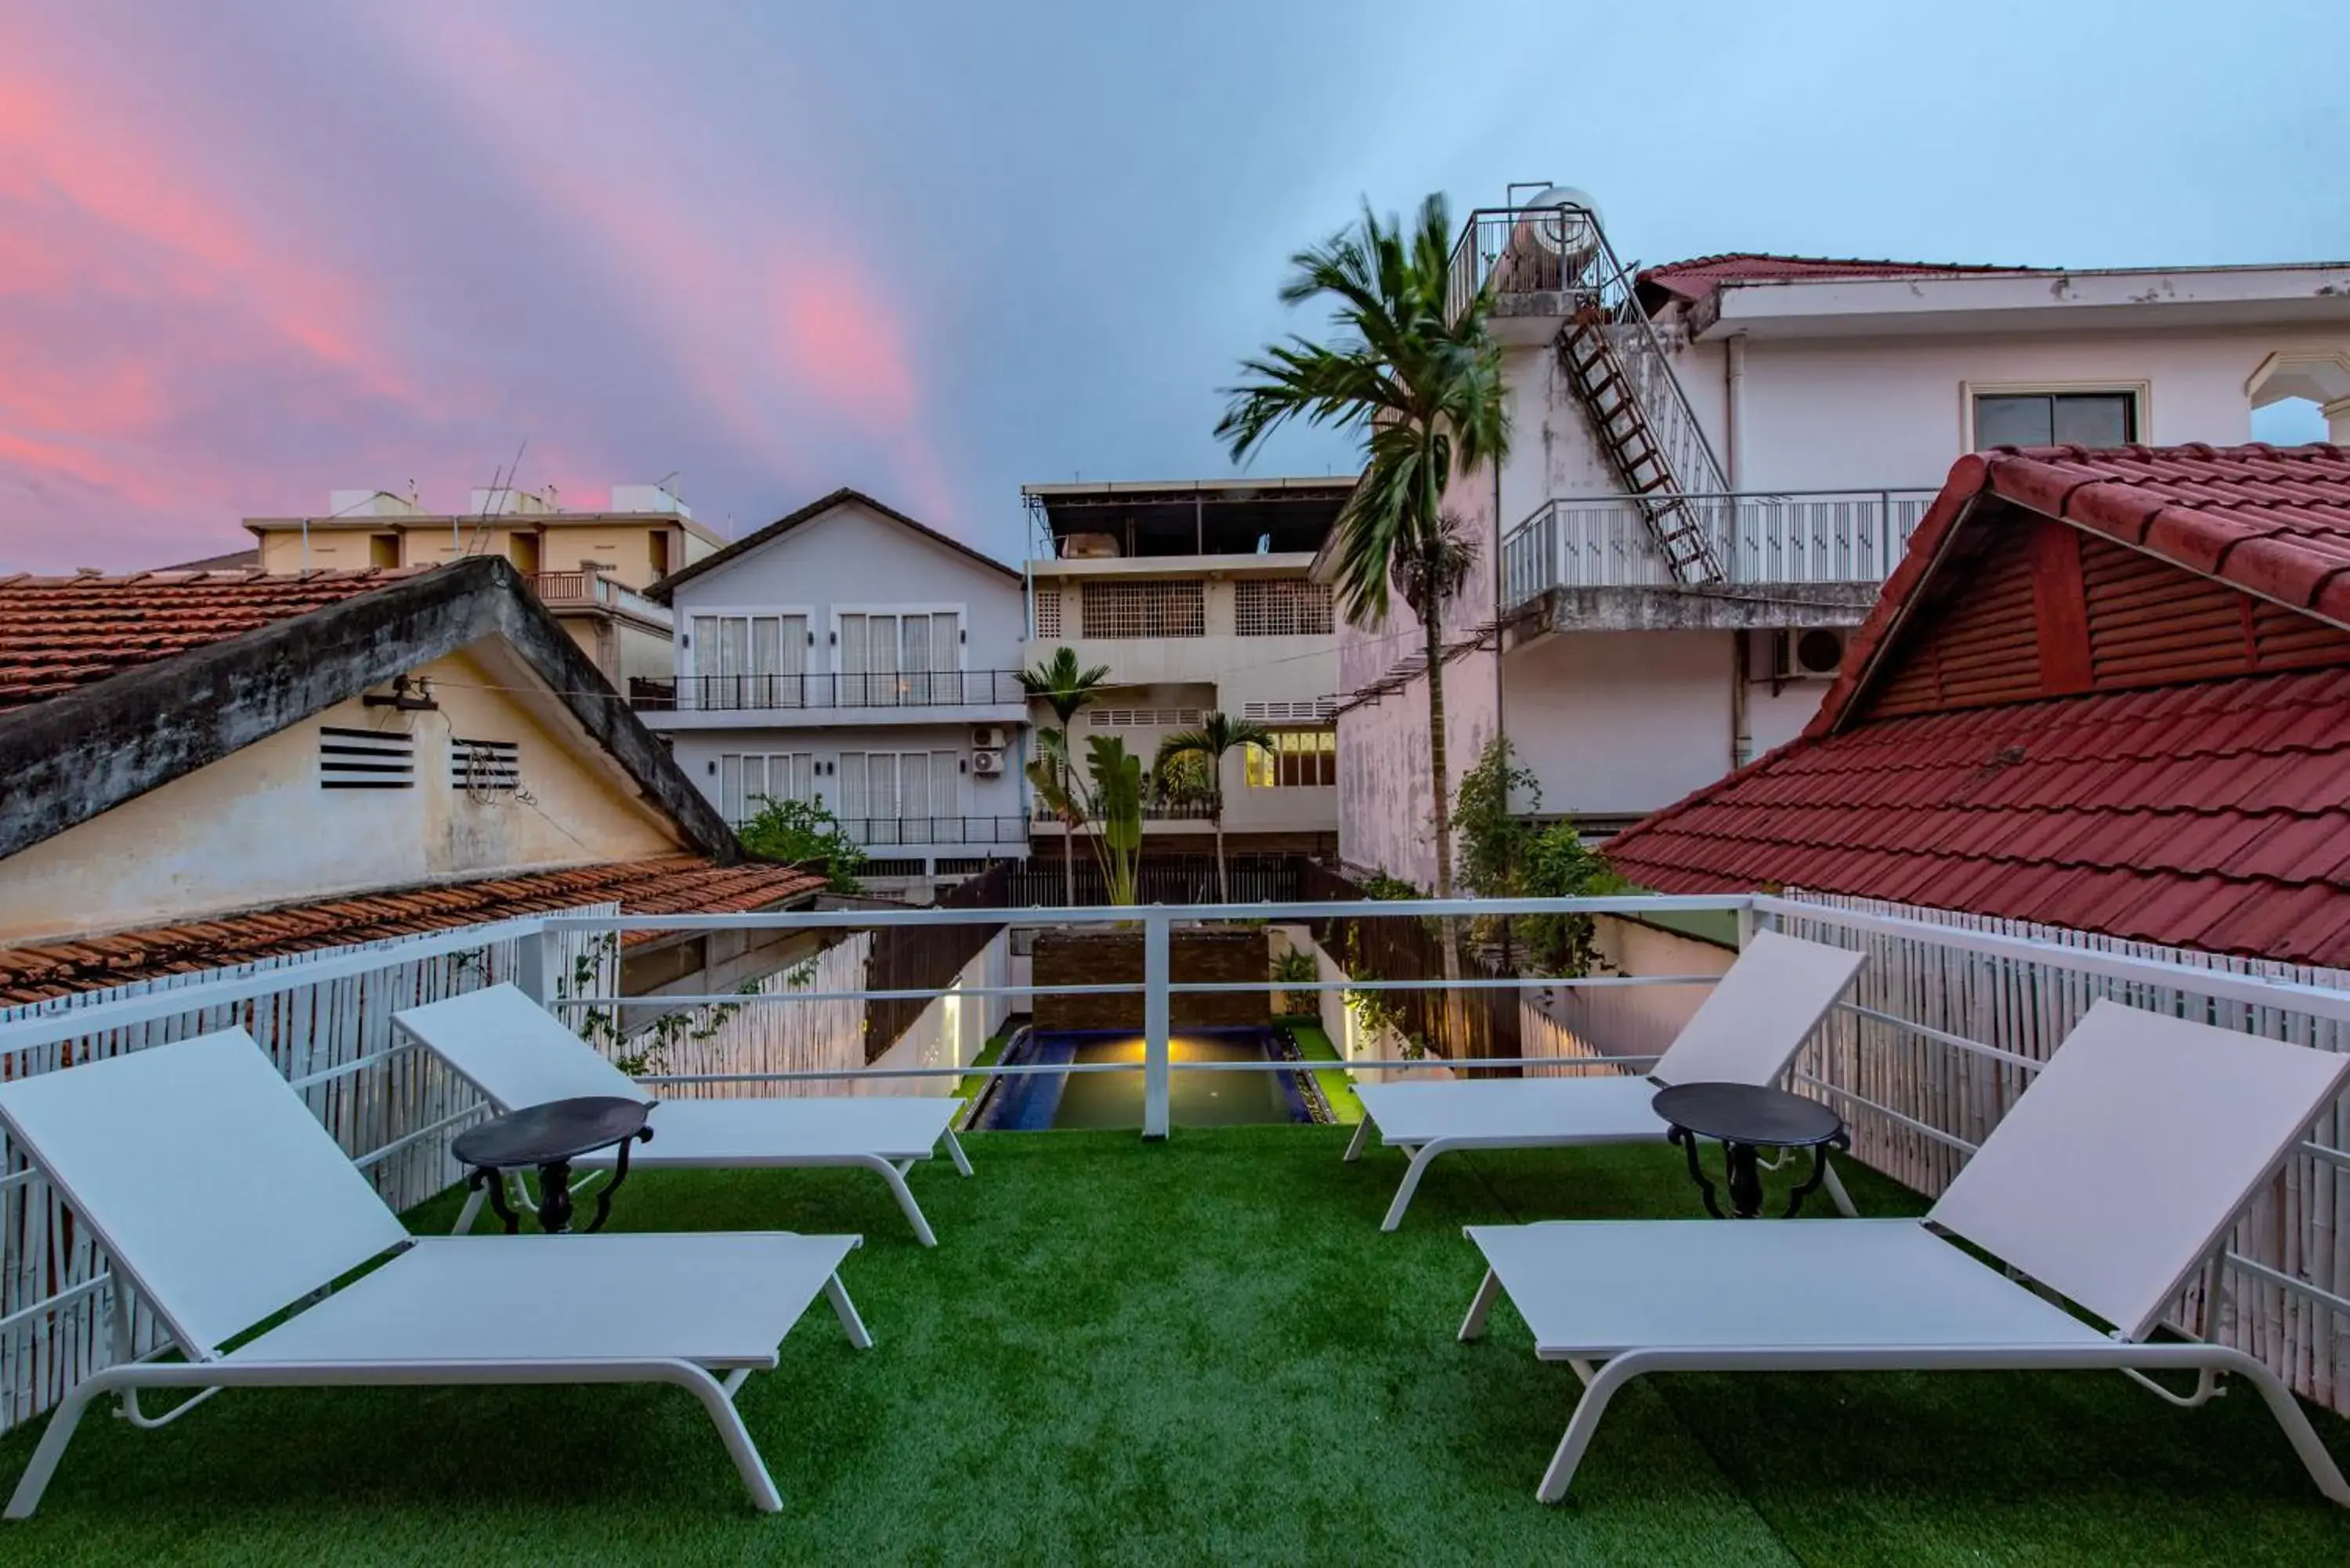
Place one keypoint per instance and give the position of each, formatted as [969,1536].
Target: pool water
[1195,1099]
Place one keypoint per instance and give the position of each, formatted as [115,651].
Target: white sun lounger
[221,1201]
[2112,1179]
[517,1054]
[1749,1028]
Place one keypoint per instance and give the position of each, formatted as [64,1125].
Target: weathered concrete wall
[1235,957]
[257,827]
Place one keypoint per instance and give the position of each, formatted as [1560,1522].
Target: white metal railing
[1793,537]
[565,590]
[1944,1030]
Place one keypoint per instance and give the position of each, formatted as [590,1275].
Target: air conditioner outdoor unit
[1810,653]
[988,737]
[986,764]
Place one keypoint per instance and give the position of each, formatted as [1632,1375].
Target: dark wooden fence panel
[925,958]
[1459,1023]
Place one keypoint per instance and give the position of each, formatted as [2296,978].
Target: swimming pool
[1195,1099]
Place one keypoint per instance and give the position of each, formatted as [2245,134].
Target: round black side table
[1744,1118]
[550,1136]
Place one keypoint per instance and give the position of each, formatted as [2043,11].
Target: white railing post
[533,966]
[1155,1021]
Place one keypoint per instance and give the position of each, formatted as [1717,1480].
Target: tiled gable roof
[2272,521]
[663,885]
[60,633]
[2210,813]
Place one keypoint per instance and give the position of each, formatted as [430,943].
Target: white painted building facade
[848,654]
[1801,418]
[1197,596]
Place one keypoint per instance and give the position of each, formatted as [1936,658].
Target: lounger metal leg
[1836,1194]
[1362,1136]
[954,1152]
[846,1310]
[52,1448]
[715,1396]
[471,1210]
[718,1400]
[1472,1328]
[2220,1359]
[1418,1169]
[2290,1416]
[905,1196]
[1582,1424]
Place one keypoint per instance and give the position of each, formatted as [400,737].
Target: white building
[850,655]
[1196,594]
[1715,463]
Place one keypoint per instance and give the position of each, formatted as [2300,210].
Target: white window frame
[2140,393]
[768,761]
[960,767]
[962,612]
[686,617]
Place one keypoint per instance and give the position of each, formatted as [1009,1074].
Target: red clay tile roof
[2274,521]
[60,633]
[1700,276]
[664,884]
[2211,814]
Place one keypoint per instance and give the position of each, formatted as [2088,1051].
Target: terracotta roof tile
[2104,813]
[663,885]
[60,633]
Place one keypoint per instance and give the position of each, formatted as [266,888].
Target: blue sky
[251,250]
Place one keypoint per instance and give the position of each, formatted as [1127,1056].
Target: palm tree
[1218,733]
[1422,385]
[1066,687]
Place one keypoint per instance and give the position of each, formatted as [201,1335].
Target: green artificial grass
[1202,1351]
[1337,1084]
[971,1084]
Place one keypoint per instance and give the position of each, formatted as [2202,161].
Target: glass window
[1300,759]
[2055,418]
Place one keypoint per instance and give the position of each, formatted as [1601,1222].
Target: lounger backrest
[2123,1165]
[512,1050]
[207,1180]
[1760,1014]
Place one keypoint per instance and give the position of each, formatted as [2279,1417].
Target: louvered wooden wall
[2050,611]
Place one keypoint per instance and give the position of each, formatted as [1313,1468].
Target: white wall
[952,1030]
[1627,723]
[852,557]
[1617,722]
[1001,795]
[1837,413]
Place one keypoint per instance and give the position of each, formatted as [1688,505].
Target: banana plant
[1116,812]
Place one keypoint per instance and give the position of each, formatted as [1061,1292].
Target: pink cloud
[836,332]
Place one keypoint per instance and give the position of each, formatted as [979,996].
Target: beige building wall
[1221,669]
[623,547]
[259,827]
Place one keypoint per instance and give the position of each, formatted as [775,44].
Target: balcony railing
[1947,1026]
[891,831]
[1802,536]
[1564,251]
[1155,811]
[591,590]
[918,689]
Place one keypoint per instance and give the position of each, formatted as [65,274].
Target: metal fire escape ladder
[1617,364]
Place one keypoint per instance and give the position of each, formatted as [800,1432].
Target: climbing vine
[646,1054]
